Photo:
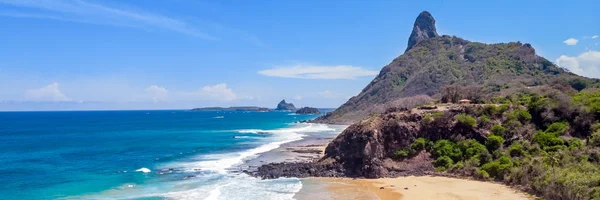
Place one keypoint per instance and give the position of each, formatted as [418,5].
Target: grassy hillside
[446,61]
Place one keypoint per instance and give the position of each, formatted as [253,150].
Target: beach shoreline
[312,146]
[409,187]
[308,149]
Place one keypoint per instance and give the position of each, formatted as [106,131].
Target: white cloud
[319,72]
[571,41]
[215,92]
[595,36]
[298,97]
[586,64]
[86,12]
[157,93]
[47,93]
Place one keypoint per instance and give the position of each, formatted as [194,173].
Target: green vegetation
[547,141]
[417,146]
[494,142]
[466,120]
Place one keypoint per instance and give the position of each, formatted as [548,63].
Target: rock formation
[285,106]
[308,110]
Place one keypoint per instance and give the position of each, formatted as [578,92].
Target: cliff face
[432,62]
[424,28]
[285,106]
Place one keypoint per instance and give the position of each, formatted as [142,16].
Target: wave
[219,117]
[213,173]
[143,169]
[241,137]
[300,128]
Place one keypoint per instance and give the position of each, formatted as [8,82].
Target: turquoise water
[177,154]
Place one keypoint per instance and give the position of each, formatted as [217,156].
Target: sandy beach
[423,187]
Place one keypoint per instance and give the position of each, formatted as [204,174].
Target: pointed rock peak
[424,28]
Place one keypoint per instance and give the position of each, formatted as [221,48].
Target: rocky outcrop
[285,106]
[308,110]
[424,28]
[366,149]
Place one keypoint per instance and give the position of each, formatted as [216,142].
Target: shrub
[481,174]
[558,128]
[498,130]
[491,110]
[484,120]
[466,120]
[447,148]
[401,154]
[498,168]
[520,114]
[545,139]
[575,143]
[444,161]
[494,142]
[471,148]
[516,150]
[418,144]
[595,139]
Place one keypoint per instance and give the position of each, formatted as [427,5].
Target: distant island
[285,106]
[235,108]
[308,110]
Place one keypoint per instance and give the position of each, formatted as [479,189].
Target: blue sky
[89,54]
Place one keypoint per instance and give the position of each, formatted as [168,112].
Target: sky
[180,54]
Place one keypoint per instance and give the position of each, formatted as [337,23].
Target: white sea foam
[143,169]
[215,182]
[219,117]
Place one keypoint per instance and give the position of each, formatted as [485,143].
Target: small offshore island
[452,108]
[282,106]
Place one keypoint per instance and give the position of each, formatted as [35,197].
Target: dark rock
[406,188]
[424,28]
[285,106]
[381,188]
[308,110]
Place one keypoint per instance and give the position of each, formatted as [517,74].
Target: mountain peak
[423,28]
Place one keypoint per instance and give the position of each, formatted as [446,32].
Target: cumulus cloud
[47,93]
[318,72]
[585,64]
[215,92]
[571,41]
[157,93]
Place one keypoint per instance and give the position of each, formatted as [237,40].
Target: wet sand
[423,187]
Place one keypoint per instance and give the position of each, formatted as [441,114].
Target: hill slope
[432,62]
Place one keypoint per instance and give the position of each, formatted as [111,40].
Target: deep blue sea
[167,154]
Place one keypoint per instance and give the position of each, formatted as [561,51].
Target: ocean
[166,154]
